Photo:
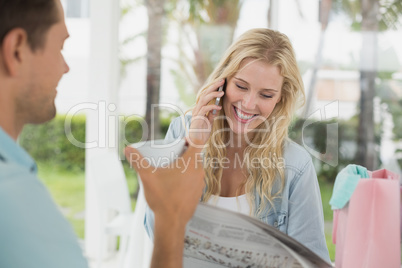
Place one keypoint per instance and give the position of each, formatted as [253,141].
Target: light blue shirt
[298,213]
[33,232]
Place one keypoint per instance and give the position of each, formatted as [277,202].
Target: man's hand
[172,191]
[173,194]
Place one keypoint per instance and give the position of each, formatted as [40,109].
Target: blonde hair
[274,48]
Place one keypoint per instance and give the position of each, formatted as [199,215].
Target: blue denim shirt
[33,232]
[298,213]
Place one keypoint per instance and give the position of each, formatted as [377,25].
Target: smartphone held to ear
[221,88]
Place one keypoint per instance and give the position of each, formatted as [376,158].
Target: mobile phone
[218,99]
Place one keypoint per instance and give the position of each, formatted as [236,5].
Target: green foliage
[68,190]
[315,136]
[385,89]
[390,14]
[388,18]
[385,75]
[48,142]
[326,193]
[394,107]
[331,246]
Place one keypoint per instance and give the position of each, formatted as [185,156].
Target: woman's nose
[249,102]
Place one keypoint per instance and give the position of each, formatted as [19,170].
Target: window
[77,8]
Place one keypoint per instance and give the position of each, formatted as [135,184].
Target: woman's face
[251,95]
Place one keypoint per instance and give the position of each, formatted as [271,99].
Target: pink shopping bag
[367,231]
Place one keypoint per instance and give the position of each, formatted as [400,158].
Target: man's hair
[34,16]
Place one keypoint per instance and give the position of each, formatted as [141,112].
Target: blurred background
[349,54]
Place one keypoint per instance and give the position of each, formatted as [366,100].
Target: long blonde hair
[274,48]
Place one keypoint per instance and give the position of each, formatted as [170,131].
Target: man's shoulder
[11,171]
[31,215]
[17,181]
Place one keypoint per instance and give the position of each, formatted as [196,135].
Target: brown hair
[34,16]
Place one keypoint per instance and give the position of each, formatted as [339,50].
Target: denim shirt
[298,212]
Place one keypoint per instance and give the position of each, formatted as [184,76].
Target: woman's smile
[242,116]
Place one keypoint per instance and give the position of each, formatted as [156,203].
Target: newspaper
[217,237]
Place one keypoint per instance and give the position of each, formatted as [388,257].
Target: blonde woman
[251,166]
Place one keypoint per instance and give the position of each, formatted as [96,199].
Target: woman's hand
[202,118]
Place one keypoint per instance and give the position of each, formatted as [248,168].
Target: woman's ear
[13,49]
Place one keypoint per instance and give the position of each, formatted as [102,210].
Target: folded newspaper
[217,237]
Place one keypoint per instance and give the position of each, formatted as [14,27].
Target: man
[33,233]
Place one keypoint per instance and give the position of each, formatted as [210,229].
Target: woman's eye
[243,88]
[266,96]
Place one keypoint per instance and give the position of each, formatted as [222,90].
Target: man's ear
[13,50]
